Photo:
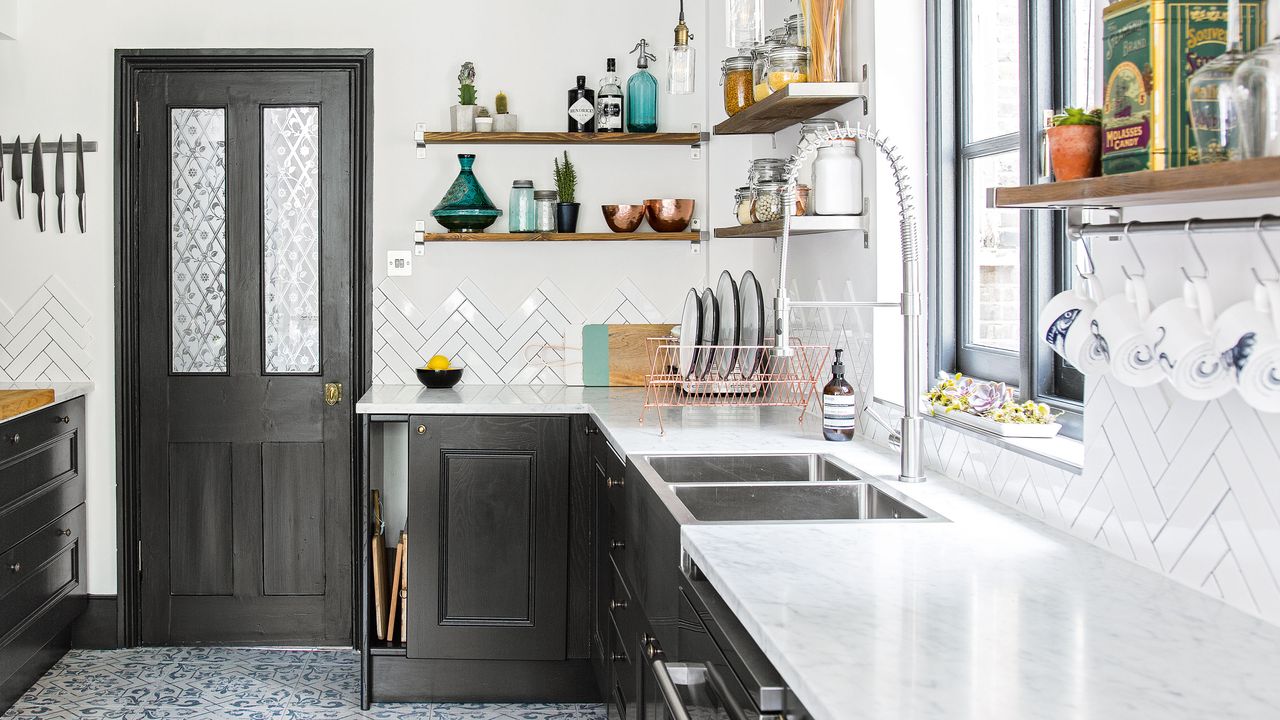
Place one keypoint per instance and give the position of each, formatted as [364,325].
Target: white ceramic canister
[837,180]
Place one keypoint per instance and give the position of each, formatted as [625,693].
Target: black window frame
[1044,37]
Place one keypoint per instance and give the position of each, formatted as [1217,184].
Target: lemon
[438,362]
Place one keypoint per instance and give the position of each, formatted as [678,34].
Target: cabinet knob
[611,483]
[592,430]
[617,604]
[15,567]
[64,531]
[14,439]
[618,657]
[616,544]
[422,429]
[64,419]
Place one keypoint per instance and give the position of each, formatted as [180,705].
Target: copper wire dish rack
[776,381]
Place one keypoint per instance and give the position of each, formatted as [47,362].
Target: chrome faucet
[911,433]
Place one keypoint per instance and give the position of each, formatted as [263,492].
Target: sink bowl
[680,469]
[765,503]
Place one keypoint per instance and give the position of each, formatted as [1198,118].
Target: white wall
[59,78]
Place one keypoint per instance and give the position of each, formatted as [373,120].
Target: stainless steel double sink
[780,488]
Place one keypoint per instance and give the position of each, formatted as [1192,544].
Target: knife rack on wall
[50,148]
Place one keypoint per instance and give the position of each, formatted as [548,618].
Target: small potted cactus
[503,121]
[484,121]
[463,115]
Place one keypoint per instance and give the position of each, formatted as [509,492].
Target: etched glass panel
[198,239]
[291,239]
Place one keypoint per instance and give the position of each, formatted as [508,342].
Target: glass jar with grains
[785,65]
[738,87]
[760,56]
[742,199]
[767,170]
[767,205]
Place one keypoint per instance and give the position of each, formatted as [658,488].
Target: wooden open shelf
[1237,180]
[560,237]
[561,138]
[801,225]
[793,104]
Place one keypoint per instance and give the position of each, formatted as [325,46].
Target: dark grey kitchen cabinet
[488,537]
[42,551]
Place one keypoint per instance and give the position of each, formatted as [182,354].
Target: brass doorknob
[332,393]
[65,531]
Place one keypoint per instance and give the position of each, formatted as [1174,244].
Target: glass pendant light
[681,61]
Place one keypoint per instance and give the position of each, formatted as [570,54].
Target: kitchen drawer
[20,435]
[620,599]
[52,500]
[40,570]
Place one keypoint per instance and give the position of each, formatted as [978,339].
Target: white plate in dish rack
[1010,430]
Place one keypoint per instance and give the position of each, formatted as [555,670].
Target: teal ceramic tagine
[466,207]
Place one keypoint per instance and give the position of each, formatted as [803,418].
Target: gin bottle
[609,100]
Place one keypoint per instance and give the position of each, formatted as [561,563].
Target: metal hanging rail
[1263,223]
[50,147]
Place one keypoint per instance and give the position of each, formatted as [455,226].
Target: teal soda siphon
[642,93]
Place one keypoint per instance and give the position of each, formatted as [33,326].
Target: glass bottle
[609,100]
[546,210]
[759,57]
[1210,92]
[582,107]
[642,93]
[521,212]
[839,404]
[681,60]
[1257,95]
[744,25]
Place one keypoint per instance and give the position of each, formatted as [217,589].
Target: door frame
[130,65]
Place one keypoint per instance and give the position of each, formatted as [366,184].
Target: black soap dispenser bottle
[839,405]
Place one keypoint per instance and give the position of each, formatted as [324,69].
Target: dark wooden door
[244,216]
[488,537]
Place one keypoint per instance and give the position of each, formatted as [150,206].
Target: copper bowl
[623,218]
[669,216]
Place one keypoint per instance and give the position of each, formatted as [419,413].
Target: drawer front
[52,502]
[40,570]
[19,436]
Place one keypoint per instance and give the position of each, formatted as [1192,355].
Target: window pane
[291,239]
[1084,32]
[992,64]
[992,266]
[197,240]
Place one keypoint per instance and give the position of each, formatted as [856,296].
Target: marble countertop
[62,392]
[989,615]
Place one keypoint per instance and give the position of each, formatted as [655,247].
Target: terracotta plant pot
[1076,151]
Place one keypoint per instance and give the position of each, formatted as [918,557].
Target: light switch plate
[399,263]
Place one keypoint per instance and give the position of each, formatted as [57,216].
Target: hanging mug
[1184,346]
[1247,335]
[1121,321]
[1066,324]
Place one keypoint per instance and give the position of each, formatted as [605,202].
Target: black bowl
[439,379]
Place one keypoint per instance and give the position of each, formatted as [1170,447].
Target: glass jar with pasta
[824,26]
[735,76]
[786,64]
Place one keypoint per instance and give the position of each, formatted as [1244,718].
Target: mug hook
[1088,253]
[1134,249]
[1262,240]
[1204,267]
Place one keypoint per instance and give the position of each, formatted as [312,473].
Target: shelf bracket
[419,129]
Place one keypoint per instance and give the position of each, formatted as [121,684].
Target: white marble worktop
[989,615]
[62,392]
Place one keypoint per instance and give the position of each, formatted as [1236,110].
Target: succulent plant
[1077,116]
[466,84]
[500,103]
[482,111]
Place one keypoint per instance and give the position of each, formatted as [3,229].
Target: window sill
[1061,452]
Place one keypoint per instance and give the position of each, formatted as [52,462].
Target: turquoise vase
[466,207]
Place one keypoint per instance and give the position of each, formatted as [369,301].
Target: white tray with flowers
[990,406]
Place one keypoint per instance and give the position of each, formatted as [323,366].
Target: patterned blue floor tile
[240,684]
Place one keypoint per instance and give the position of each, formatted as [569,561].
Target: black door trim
[130,64]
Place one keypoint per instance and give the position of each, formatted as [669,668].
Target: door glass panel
[994,304]
[291,239]
[198,239]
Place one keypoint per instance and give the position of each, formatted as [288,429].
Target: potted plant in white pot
[462,117]
[566,176]
[990,406]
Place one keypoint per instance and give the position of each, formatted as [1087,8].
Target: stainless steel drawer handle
[64,531]
[15,567]
[617,544]
[613,483]
[670,695]
[617,604]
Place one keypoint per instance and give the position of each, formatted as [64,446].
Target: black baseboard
[96,629]
[402,679]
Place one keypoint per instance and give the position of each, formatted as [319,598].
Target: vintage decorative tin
[1150,49]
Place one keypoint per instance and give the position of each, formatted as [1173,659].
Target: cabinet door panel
[488,537]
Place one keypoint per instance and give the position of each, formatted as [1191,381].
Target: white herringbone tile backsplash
[46,338]
[1189,489]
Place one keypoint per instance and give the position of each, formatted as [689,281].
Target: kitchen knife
[84,219]
[37,180]
[16,173]
[60,187]
[1,169]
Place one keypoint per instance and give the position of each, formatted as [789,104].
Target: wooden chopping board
[618,355]
[16,402]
